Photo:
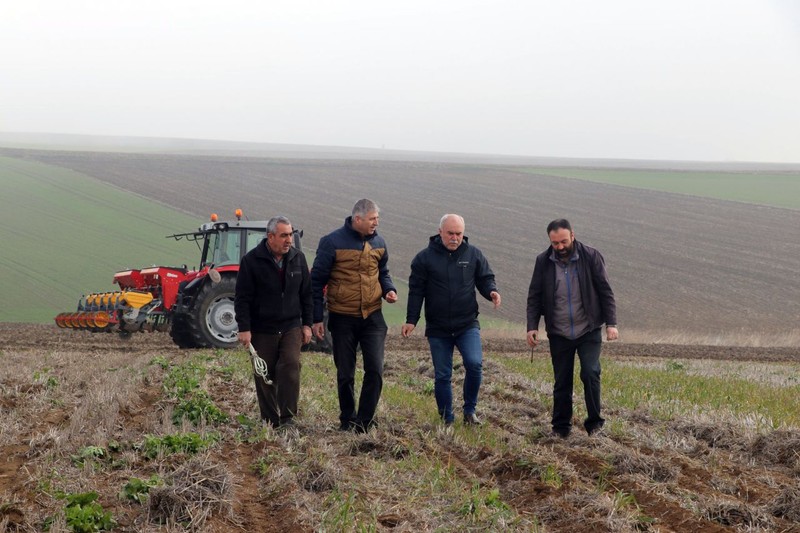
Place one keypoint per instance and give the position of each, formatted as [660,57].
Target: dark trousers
[347,333]
[562,354]
[281,352]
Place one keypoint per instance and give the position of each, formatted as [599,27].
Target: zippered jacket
[265,305]
[596,294]
[355,270]
[446,281]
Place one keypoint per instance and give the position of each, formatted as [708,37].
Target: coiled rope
[259,365]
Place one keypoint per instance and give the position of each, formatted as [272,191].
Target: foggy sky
[715,80]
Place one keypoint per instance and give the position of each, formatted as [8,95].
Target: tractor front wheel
[181,332]
[213,320]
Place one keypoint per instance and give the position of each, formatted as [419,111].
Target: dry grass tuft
[716,435]
[781,447]
[314,476]
[787,504]
[630,461]
[735,514]
[604,513]
[12,518]
[193,492]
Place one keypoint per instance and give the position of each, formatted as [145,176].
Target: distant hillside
[683,267]
[158,145]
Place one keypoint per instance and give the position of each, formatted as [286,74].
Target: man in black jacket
[570,288]
[274,312]
[445,275]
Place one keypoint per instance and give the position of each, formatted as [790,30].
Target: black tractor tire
[212,319]
[181,333]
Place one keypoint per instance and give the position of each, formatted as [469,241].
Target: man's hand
[495,298]
[319,330]
[612,333]
[391,297]
[407,329]
[533,338]
[245,337]
[306,334]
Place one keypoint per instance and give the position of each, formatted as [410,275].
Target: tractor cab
[225,243]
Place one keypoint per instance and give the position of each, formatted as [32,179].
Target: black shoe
[559,434]
[346,426]
[363,427]
[596,432]
[471,420]
[288,423]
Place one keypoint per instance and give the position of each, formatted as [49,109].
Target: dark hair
[557,224]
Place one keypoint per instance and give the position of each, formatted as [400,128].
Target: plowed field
[684,269]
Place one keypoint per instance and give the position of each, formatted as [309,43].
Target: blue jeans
[469,344]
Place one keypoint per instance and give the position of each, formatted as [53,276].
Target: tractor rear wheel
[212,318]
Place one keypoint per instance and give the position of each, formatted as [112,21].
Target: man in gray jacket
[570,288]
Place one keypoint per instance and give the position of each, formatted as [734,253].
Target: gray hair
[451,215]
[272,225]
[365,206]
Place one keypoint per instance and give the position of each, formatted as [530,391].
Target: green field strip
[764,188]
[66,234]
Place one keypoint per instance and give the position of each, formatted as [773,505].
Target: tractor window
[226,246]
[253,238]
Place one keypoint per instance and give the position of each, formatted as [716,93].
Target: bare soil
[684,475]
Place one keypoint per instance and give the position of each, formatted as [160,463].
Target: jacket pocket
[467,273]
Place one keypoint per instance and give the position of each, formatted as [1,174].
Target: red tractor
[195,306]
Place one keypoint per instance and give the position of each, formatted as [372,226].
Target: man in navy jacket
[445,275]
[274,312]
[570,288]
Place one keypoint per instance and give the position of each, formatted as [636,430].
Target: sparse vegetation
[83,514]
[137,489]
[674,459]
[189,443]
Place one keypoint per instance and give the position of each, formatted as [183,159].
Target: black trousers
[562,354]
[347,333]
[281,352]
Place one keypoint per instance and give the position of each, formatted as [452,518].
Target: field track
[43,337]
